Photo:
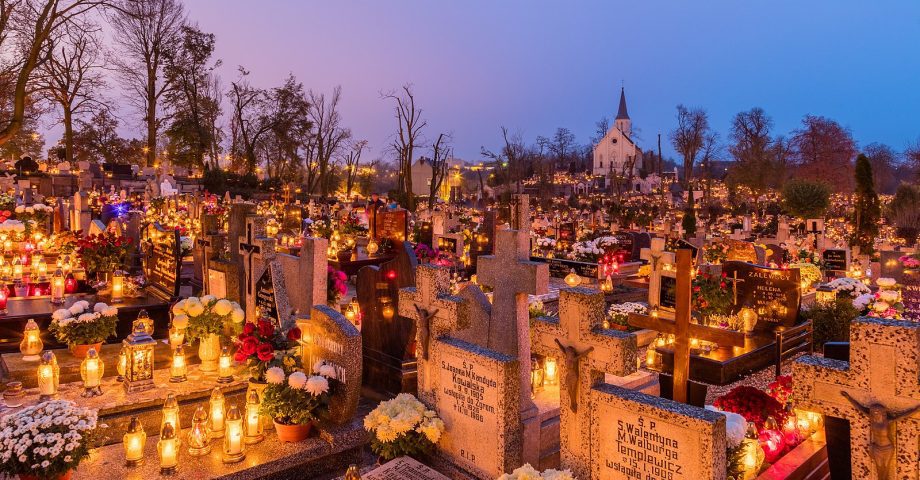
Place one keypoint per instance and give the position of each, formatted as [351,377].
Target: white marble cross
[881,379]
[592,352]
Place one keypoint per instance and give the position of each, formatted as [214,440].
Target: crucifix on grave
[586,352]
[734,281]
[877,391]
[658,260]
[681,327]
[436,312]
[513,277]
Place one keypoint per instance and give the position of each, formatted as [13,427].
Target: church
[617,152]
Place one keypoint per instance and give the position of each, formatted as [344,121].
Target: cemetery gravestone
[403,468]
[878,391]
[328,337]
[585,352]
[660,280]
[161,261]
[836,260]
[740,251]
[775,294]
[910,294]
[391,225]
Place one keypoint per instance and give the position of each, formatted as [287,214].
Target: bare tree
[689,138]
[824,151]
[408,137]
[30,28]
[71,77]
[147,33]
[352,160]
[441,152]
[250,120]
[328,134]
[509,162]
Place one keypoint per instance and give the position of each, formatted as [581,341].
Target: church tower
[622,122]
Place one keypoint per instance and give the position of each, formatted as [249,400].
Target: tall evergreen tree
[867,211]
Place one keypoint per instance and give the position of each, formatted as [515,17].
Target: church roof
[621,112]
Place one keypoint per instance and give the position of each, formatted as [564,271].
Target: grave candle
[118,286]
[48,376]
[91,371]
[144,319]
[57,287]
[170,412]
[216,419]
[176,337]
[225,366]
[168,448]
[134,441]
[233,439]
[31,345]
[17,268]
[572,279]
[70,284]
[178,369]
[41,268]
[199,439]
[253,419]
[122,365]
[550,371]
[650,356]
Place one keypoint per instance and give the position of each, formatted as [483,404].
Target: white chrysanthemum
[735,426]
[881,307]
[87,317]
[75,309]
[60,314]
[553,474]
[862,302]
[316,385]
[327,371]
[317,365]
[890,296]
[100,307]
[238,315]
[179,307]
[274,375]
[194,307]
[180,321]
[525,472]
[223,307]
[110,312]
[207,299]
[886,282]
[297,380]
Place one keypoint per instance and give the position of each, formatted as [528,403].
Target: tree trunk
[68,135]
[151,119]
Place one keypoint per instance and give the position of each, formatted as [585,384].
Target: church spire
[621,112]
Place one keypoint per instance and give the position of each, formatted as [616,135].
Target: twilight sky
[534,65]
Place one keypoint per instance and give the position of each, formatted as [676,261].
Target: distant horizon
[533,66]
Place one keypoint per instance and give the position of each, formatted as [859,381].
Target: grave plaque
[448,244]
[910,294]
[775,294]
[667,296]
[391,224]
[403,468]
[217,283]
[740,251]
[474,386]
[567,232]
[560,267]
[835,259]
[265,299]
[635,435]
[161,260]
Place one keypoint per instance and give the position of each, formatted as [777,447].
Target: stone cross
[878,391]
[586,352]
[308,287]
[520,212]
[657,259]
[256,251]
[512,276]
[681,327]
[436,313]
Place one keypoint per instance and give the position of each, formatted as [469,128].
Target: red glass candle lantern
[70,284]
[4,296]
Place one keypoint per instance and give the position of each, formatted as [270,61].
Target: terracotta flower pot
[292,433]
[80,351]
[64,476]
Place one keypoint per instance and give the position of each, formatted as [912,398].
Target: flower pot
[292,433]
[64,476]
[80,351]
[209,352]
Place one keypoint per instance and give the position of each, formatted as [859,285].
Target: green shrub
[806,199]
[831,322]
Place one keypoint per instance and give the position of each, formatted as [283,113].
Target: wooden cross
[878,391]
[512,276]
[682,329]
[578,332]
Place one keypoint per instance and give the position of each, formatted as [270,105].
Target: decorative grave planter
[209,352]
[292,433]
[80,351]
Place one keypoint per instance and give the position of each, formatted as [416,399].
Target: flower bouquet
[711,295]
[881,304]
[809,273]
[82,328]
[849,286]
[336,287]
[909,261]
[48,440]
[207,319]
[753,404]
[104,252]
[261,346]
[527,472]
[403,426]
[618,314]
[294,403]
[715,253]
[38,212]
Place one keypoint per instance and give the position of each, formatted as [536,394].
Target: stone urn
[209,352]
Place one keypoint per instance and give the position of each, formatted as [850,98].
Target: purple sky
[537,65]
